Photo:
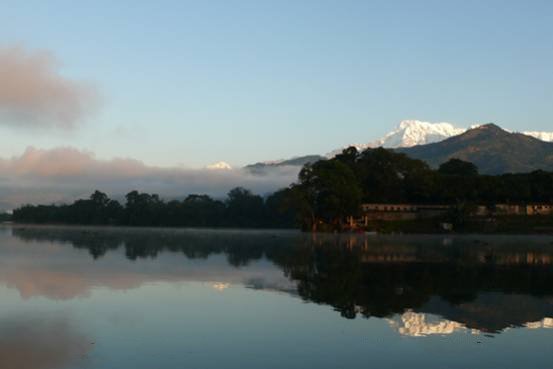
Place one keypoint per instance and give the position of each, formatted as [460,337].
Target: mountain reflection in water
[423,285]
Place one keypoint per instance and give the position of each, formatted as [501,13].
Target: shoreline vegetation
[241,209]
[327,194]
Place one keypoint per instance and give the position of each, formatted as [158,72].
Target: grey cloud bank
[40,176]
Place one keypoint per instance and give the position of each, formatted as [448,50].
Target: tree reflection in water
[484,284]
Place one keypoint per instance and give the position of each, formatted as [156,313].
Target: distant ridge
[493,149]
[413,133]
[299,161]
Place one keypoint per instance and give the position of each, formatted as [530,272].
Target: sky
[188,83]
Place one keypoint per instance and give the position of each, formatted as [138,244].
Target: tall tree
[387,176]
[329,191]
[243,208]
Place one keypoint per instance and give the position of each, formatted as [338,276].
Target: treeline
[241,208]
[330,190]
[326,192]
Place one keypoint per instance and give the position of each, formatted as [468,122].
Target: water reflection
[45,342]
[545,323]
[423,285]
[421,325]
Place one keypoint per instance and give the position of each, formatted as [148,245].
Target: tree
[387,176]
[202,211]
[458,167]
[348,156]
[143,209]
[103,209]
[99,199]
[244,208]
[281,209]
[328,191]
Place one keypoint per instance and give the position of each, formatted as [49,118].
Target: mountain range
[492,149]
[298,161]
[410,133]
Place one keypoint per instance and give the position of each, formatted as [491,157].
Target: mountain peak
[486,131]
[417,124]
[491,148]
[412,132]
[490,127]
[415,132]
[221,165]
[409,123]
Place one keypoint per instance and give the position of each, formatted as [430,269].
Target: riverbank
[497,225]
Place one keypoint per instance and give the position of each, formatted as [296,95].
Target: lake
[100,298]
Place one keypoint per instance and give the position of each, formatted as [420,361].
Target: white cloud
[34,94]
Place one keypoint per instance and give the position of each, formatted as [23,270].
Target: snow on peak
[411,133]
[415,132]
[221,165]
[421,325]
[544,323]
[544,136]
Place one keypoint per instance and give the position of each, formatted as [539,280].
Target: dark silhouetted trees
[329,189]
[458,167]
[241,209]
[327,192]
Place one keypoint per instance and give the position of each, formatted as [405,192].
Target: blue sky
[194,82]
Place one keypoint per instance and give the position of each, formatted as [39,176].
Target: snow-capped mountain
[408,133]
[411,133]
[491,148]
[221,165]
[415,132]
[544,136]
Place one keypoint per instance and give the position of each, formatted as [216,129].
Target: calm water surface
[126,298]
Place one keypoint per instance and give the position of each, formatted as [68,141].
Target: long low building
[402,211]
[393,212]
[519,209]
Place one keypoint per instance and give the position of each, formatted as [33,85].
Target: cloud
[40,342]
[34,94]
[33,268]
[64,174]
